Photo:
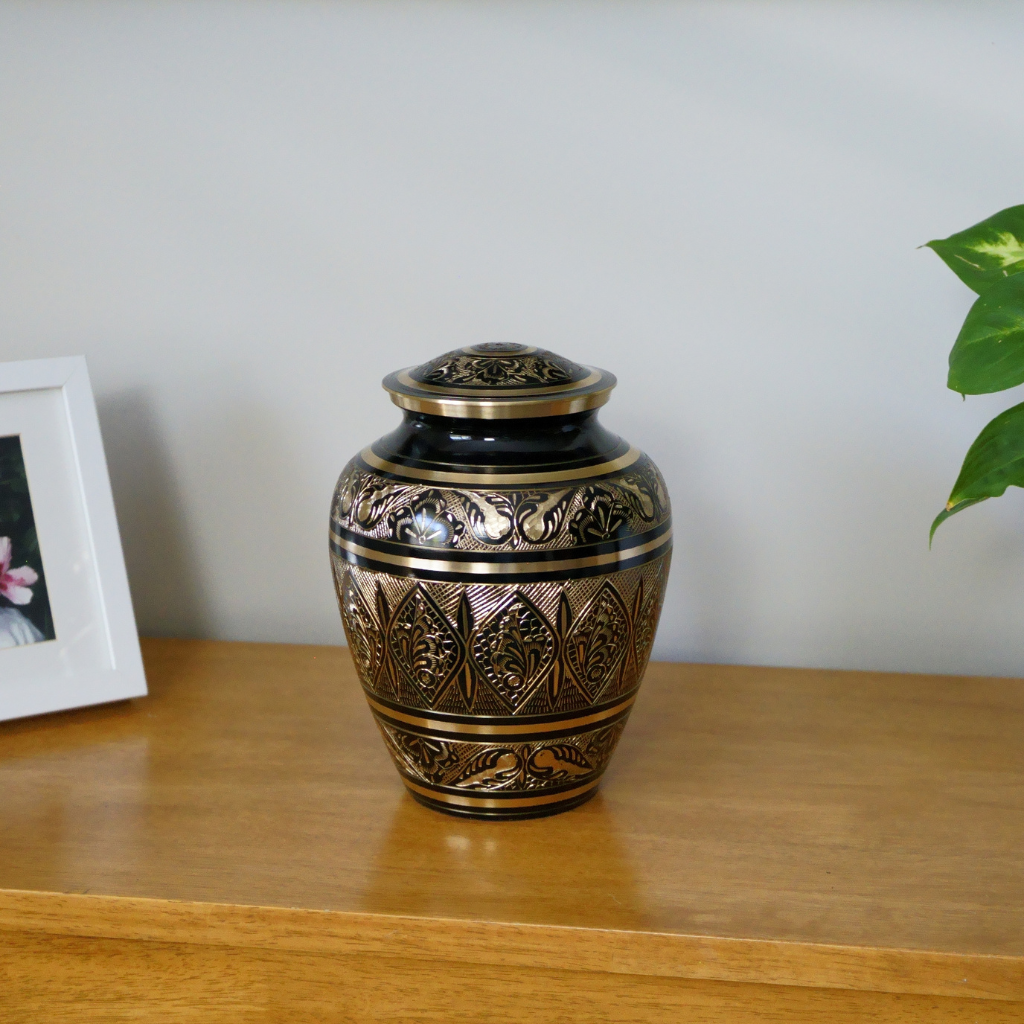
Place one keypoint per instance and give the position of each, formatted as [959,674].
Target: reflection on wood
[435,865]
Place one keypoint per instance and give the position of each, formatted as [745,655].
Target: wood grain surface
[768,842]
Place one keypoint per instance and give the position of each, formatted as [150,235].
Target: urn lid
[497,381]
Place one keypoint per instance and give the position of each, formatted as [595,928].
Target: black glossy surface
[552,440]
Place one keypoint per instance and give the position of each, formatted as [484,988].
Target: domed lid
[498,381]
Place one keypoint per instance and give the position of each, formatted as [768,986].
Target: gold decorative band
[489,803]
[465,729]
[489,409]
[501,568]
[456,392]
[499,477]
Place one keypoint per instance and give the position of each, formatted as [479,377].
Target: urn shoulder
[495,479]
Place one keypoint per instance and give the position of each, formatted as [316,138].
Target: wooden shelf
[769,844]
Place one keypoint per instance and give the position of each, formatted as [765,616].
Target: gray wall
[245,214]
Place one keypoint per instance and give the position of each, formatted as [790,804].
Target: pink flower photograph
[25,616]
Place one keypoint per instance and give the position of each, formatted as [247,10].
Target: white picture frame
[94,656]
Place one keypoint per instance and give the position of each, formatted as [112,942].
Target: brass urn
[500,562]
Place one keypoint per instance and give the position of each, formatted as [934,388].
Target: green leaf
[988,252]
[947,512]
[988,354]
[994,462]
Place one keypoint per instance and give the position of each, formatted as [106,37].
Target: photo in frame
[67,630]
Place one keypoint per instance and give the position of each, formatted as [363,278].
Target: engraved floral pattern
[648,611]
[424,757]
[514,649]
[425,521]
[602,517]
[365,640]
[596,643]
[616,507]
[482,766]
[363,496]
[498,366]
[511,658]
[426,650]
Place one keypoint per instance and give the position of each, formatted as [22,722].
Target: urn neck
[552,440]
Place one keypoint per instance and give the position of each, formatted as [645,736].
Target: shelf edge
[652,954]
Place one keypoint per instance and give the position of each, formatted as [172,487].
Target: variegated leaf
[988,251]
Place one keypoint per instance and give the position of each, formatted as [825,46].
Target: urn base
[487,808]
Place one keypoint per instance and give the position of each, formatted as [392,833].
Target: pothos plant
[988,354]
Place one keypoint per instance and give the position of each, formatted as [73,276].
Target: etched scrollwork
[482,766]
[539,516]
[494,768]
[364,497]
[559,761]
[425,757]
[642,489]
[516,517]
[615,508]
[599,746]
[491,516]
